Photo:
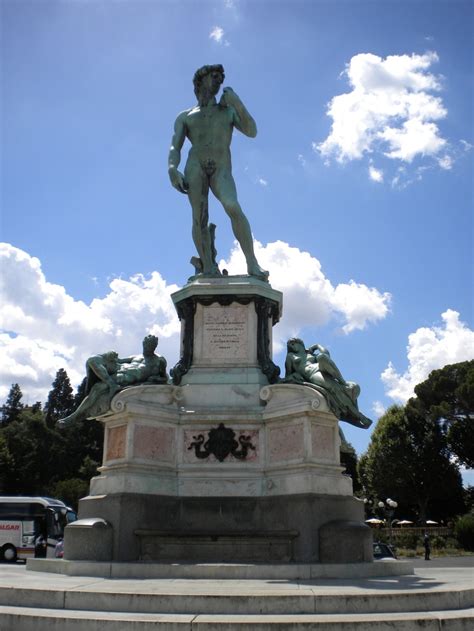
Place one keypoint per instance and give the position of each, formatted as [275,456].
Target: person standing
[426,544]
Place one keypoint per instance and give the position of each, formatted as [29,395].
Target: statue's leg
[198,194]
[223,187]
[326,365]
[98,390]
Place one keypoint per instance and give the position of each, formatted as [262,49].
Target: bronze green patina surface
[107,374]
[209,126]
[314,367]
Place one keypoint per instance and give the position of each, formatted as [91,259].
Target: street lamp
[388,507]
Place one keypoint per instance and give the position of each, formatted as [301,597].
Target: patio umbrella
[373,520]
[404,522]
[431,522]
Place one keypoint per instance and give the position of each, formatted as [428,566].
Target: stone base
[156,437]
[223,466]
[89,539]
[277,572]
[229,529]
[340,540]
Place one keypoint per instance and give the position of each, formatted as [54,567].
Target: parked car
[383,551]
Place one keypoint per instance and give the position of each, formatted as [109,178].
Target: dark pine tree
[80,394]
[348,457]
[447,397]
[60,399]
[12,407]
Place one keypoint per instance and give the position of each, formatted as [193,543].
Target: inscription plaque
[225,332]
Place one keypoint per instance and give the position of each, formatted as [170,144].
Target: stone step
[218,571]
[30,619]
[233,597]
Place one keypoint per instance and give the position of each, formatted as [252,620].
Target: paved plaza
[440,595]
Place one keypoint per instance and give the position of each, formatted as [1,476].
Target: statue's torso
[209,129]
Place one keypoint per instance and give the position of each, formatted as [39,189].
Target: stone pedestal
[226,339]
[224,465]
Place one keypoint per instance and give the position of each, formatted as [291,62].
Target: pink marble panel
[154,443]
[116,437]
[322,442]
[192,436]
[286,443]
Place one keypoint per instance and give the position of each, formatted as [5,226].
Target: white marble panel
[225,335]
[307,480]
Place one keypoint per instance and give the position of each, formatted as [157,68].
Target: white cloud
[430,348]
[378,408]
[217,34]
[310,299]
[413,138]
[390,110]
[43,328]
[446,162]
[359,305]
[375,174]
[262,182]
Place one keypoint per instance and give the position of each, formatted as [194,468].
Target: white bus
[31,523]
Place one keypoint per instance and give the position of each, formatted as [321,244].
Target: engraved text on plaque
[225,332]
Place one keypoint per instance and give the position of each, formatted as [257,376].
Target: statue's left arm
[242,118]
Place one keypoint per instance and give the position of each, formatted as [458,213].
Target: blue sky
[358,186]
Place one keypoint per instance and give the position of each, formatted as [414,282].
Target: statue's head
[110,356]
[294,344]
[110,360]
[213,76]
[150,342]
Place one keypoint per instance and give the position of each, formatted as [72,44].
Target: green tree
[12,406]
[83,445]
[80,394]
[349,461]
[469,499]
[60,399]
[464,531]
[409,461]
[447,397]
[38,455]
[30,448]
[69,491]
[6,463]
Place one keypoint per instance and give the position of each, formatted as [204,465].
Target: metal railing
[433,531]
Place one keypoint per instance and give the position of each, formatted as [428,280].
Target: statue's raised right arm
[242,118]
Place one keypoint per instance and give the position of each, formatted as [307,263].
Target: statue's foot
[213,274]
[69,419]
[258,272]
[213,270]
